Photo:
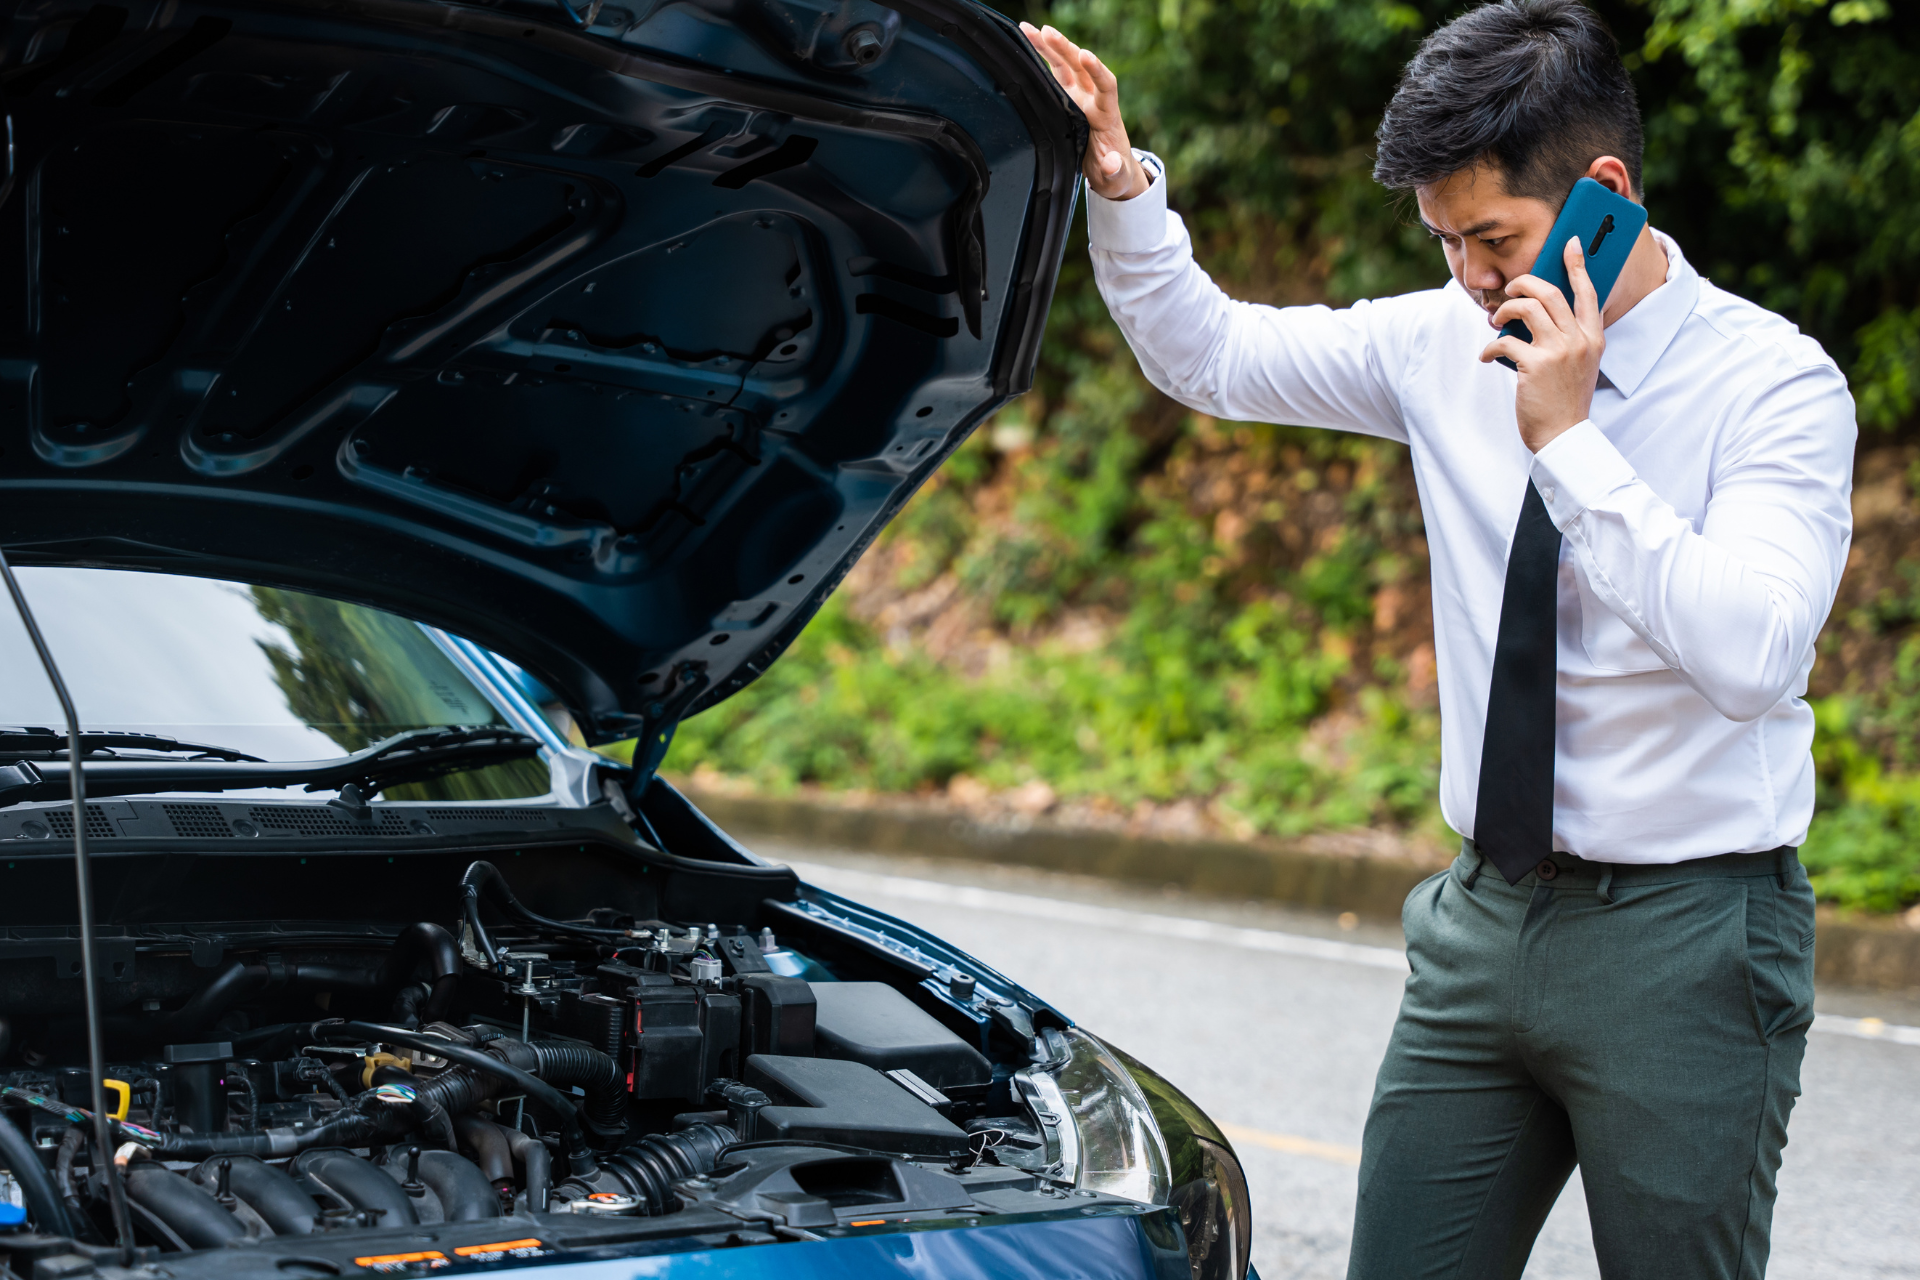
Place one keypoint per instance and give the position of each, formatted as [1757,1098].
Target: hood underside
[605,336]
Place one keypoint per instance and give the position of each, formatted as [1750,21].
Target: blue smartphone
[1607,224]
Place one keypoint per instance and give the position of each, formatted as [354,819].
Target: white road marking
[1866,1029]
[857,884]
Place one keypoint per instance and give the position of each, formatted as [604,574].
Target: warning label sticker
[528,1248]
[404,1263]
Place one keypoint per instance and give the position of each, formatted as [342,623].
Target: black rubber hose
[70,1144]
[46,1206]
[470,912]
[191,1020]
[579,1155]
[192,1212]
[432,944]
[432,1118]
[537,1162]
[488,1142]
[464,1192]
[407,1004]
[456,1091]
[483,879]
[354,1129]
[651,1166]
[566,1062]
[419,942]
[269,1191]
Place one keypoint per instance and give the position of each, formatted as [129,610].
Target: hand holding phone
[1608,226]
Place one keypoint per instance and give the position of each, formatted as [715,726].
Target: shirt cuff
[1576,469]
[1138,225]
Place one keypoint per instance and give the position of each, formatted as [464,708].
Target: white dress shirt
[1705,507]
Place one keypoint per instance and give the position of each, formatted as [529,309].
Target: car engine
[595,1080]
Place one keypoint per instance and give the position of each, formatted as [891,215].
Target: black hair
[1535,87]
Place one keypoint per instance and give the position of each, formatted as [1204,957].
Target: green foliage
[1865,854]
[1784,151]
[1863,851]
[1245,672]
[1145,722]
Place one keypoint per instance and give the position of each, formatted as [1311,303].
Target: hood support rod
[83,877]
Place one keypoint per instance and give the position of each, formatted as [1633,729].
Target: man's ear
[1611,173]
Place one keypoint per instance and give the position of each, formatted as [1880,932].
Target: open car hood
[607,336]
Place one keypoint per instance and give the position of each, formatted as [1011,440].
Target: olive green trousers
[1643,1023]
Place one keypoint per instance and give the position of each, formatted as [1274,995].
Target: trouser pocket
[1779,967]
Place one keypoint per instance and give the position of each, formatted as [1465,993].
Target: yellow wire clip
[123,1093]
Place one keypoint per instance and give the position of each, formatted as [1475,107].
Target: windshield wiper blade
[406,757]
[32,742]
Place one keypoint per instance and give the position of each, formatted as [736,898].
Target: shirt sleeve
[1736,606]
[1306,366]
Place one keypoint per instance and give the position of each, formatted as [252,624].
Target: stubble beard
[1490,300]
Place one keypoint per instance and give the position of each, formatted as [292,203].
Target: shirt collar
[1636,341]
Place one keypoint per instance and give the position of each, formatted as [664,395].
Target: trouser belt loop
[1606,885]
[1781,869]
[1480,861]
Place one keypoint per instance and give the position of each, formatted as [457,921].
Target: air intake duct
[647,1169]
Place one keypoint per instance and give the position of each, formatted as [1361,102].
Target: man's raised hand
[1110,167]
[1559,368]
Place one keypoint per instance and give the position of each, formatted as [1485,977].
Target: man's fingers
[1061,55]
[1069,51]
[1586,302]
[1097,93]
[1104,81]
[1523,308]
[1044,47]
[1512,348]
[1549,296]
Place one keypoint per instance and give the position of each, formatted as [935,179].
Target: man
[1636,536]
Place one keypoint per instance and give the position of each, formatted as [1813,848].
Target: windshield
[282,675]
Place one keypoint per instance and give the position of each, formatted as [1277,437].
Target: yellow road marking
[1292,1145]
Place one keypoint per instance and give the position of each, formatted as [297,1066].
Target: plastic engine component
[871,1023]
[829,1100]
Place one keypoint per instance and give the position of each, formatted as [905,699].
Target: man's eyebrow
[1485,224]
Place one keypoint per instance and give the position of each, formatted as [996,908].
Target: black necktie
[1513,819]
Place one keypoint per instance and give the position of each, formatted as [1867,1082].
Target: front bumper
[1104,1244]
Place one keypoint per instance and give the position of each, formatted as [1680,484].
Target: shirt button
[1547,493]
[1546,870]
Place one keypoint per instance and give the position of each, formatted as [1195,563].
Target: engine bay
[523,1048]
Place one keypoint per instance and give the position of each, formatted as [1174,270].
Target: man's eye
[1494,242]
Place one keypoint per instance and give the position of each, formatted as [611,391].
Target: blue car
[410,412]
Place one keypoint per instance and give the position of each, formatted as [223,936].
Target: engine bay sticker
[528,1248]
[404,1263]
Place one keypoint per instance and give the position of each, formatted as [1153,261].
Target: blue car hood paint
[1127,1246]
[607,343]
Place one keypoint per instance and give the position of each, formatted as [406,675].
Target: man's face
[1489,236]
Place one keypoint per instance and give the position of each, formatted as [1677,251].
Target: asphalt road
[1274,1022]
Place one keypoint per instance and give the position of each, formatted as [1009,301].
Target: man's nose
[1482,275]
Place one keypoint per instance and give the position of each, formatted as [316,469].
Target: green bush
[1865,853]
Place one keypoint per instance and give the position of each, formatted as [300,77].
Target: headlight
[1114,1125]
[1098,1124]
